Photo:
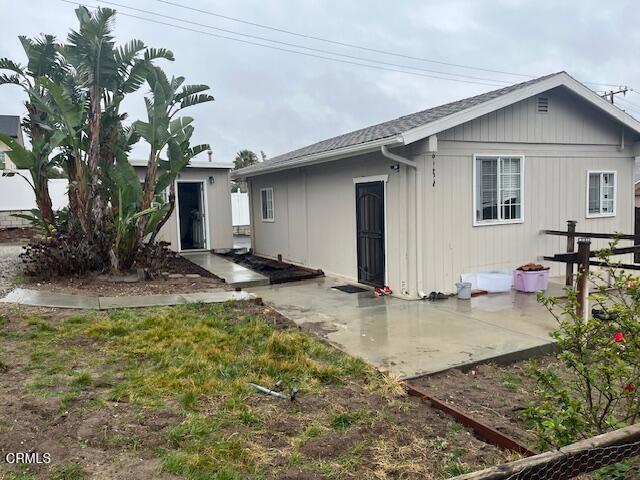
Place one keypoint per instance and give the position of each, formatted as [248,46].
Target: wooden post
[571,247]
[584,252]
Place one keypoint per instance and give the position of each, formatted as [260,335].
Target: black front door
[370,232]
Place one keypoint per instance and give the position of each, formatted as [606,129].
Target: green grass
[510,380]
[202,358]
[68,471]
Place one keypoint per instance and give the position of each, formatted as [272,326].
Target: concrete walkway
[232,273]
[38,298]
[413,338]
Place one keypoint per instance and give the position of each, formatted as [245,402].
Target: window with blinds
[498,190]
[601,194]
[266,204]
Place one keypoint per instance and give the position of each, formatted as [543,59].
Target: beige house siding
[218,195]
[8,164]
[315,205]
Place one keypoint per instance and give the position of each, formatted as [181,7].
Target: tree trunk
[172,206]
[148,192]
[43,201]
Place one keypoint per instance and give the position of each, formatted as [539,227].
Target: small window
[498,190]
[266,204]
[601,194]
[2,161]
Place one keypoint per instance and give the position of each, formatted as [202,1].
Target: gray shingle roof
[10,125]
[391,127]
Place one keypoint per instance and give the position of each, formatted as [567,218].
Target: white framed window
[601,193]
[266,204]
[498,189]
[2,161]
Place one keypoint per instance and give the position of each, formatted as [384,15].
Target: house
[9,125]
[416,201]
[202,216]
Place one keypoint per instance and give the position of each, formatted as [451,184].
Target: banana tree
[42,61]
[168,98]
[40,165]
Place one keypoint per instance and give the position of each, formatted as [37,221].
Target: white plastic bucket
[464,290]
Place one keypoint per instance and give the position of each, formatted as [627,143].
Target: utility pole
[610,94]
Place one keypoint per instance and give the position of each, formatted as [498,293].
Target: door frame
[373,178]
[205,207]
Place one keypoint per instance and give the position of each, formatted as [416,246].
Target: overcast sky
[276,101]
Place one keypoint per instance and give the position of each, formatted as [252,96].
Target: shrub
[62,254]
[155,257]
[597,388]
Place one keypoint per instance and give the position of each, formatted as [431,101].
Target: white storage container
[494,282]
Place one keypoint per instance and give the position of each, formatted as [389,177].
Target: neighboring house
[9,125]
[202,215]
[464,187]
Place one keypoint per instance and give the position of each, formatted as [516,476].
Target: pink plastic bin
[530,281]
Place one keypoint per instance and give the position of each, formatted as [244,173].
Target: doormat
[350,289]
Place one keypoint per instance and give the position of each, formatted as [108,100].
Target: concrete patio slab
[413,338]
[39,298]
[232,273]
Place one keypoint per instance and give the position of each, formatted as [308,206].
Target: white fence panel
[240,209]
[16,194]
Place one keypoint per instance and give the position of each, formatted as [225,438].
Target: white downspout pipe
[419,241]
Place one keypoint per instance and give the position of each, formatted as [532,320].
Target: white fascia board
[321,157]
[192,164]
[561,79]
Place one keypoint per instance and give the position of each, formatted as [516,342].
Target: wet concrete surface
[412,338]
[9,266]
[39,298]
[232,273]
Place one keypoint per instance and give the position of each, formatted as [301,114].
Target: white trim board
[205,207]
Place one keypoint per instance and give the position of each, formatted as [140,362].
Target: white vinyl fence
[17,196]
[240,209]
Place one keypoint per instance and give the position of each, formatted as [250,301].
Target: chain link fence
[576,461]
[580,463]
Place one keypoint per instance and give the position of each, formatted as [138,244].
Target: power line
[291,51]
[343,44]
[372,60]
[360,47]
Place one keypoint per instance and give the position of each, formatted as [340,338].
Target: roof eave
[560,79]
[331,155]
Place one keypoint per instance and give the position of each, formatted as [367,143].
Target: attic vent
[543,104]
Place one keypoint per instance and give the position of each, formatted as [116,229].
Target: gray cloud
[276,101]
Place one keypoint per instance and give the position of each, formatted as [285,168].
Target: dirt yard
[495,394]
[163,393]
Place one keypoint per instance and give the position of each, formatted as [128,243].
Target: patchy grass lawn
[163,393]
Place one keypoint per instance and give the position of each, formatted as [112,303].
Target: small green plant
[597,387]
[68,471]
[343,420]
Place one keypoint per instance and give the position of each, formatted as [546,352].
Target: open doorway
[191,216]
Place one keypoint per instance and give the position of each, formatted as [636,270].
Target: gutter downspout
[419,240]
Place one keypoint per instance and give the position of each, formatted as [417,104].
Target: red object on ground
[618,337]
[387,290]
[629,388]
[379,292]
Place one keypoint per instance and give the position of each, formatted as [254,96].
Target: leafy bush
[598,387]
[155,257]
[62,254]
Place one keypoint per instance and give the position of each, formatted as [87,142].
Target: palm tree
[244,158]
